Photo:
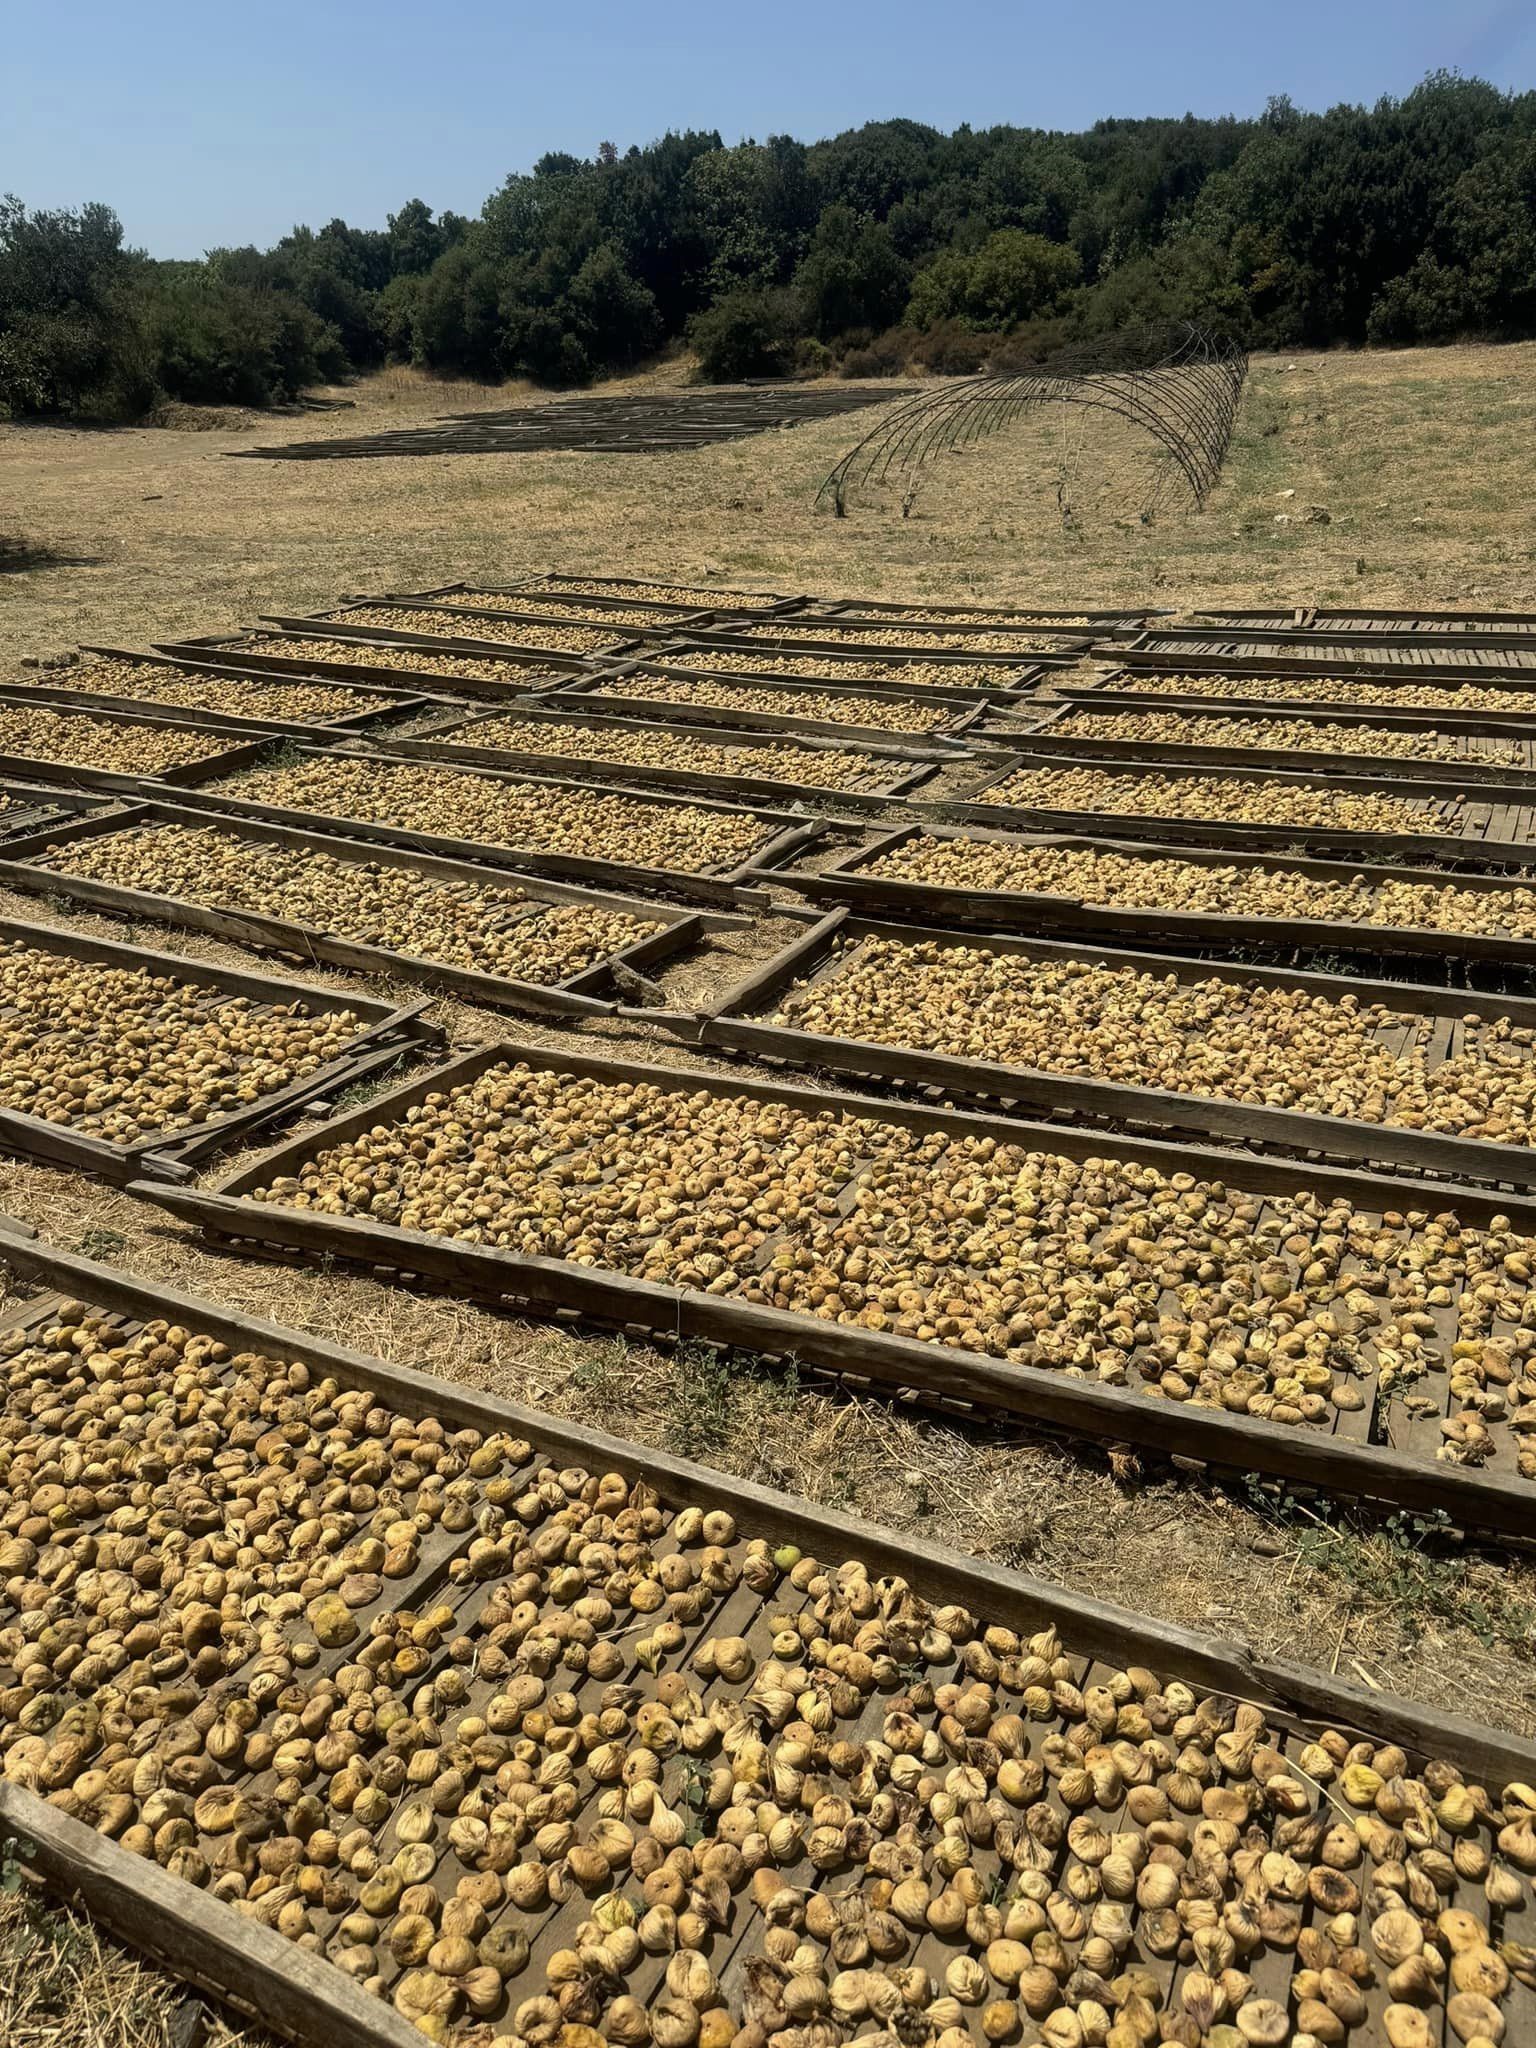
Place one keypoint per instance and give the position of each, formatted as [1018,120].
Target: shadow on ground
[17,554]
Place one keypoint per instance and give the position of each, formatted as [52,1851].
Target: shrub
[746,334]
[221,344]
[887,355]
[951,350]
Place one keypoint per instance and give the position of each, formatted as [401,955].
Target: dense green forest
[889,247]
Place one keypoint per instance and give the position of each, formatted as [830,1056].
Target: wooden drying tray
[800,637]
[1465,657]
[54,687]
[729,887]
[590,992]
[525,602]
[767,604]
[906,769]
[869,611]
[937,1375]
[1365,623]
[1128,689]
[243,654]
[392,1033]
[459,626]
[1489,826]
[960,711]
[849,880]
[312,2004]
[247,743]
[1479,765]
[734,1024]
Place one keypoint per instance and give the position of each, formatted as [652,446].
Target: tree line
[889,247]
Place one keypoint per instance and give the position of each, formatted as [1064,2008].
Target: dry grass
[63,1985]
[1419,458]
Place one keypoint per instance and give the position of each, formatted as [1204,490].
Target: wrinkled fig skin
[236,696]
[1219,799]
[1290,735]
[829,768]
[1403,696]
[448,625]
[1117,881]
[692,597]
[1282,1309]
[980,641]
[122,1052]
[1284,1048]
[983,615]
[536,604]
[774,1801]
[434,661]
[774,661]
[889,714]
[86,739]
[455,804]
[493,930]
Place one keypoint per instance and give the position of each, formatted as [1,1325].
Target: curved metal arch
[1185,395]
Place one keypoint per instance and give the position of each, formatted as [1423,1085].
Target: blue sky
[207,124]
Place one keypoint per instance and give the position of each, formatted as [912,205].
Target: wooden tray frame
[964,709]
[732,1025]
[727,887]
[392,1033]
[587,993]
[1044,736]
[452,738]
[979,807]
[899,901]
[935,1375]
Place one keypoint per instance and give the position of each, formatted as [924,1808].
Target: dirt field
[1419,459]
[1421,462]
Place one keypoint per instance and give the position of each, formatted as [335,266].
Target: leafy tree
[1013,276]
[938,292]
[61,274]
[416,240]
[614,314]
[852,276]
[1033,182]
[750,211]
[869,169]
[457,319]
[1410,220]
[1479,274]
[215,343]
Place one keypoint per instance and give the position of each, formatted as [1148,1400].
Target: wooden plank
[240,1962]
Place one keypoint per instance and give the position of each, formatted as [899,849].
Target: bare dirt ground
[1422,464]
